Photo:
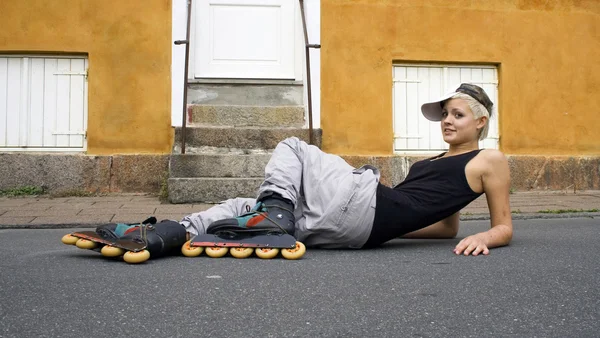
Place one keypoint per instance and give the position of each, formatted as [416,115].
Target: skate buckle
[280,216]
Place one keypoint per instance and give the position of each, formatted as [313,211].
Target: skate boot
[136,243]
[161,239]
[270,215]
[265,230]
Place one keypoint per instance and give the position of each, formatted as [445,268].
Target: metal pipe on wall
[307,47]
[185,74]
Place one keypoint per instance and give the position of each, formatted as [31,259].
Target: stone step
[242,137]
[260,116]
[206,150]
[246,94]
[192,165]
[211,190]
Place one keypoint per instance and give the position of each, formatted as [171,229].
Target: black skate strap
[229,230]
[149,220]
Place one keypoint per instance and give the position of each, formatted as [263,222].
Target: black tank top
[434,189]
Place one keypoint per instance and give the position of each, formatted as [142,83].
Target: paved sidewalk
[46,212]
[541,204]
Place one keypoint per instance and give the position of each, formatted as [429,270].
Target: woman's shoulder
[491,161]
[492,155]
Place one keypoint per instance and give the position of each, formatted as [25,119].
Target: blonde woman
[325,202]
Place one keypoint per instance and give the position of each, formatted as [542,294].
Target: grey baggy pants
[334,202]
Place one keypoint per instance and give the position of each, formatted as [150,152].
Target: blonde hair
[478,111]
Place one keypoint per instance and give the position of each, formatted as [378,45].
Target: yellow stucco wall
[129,48]
[548,53]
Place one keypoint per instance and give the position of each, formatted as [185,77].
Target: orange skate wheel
[69,239]
[241,252]
[83,243]
[111,251]
[191,251]
[215,251]
[294,253]
[136,257]
[266,253]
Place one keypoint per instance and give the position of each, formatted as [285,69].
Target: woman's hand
[472,245]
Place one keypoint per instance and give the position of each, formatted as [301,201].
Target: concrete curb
[50,226]
[524,216]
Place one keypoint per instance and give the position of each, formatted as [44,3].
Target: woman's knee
[291,142]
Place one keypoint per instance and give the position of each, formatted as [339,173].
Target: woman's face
[458,122]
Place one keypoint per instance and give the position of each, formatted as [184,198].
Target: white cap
[433,110]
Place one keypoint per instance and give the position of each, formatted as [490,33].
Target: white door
[43,103]
[244,39]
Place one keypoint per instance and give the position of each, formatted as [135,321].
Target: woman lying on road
[325,202]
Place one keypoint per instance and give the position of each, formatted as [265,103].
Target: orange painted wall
[129,48]
[548,53]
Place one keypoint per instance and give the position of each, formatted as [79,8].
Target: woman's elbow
[452,233]
[508,234]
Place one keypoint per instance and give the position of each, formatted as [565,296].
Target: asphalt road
[545,284]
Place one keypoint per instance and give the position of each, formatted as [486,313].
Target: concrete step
[192,165]
[242,137]
[211,190]
[260,116]
[246,94]
[232,129]
[206,150]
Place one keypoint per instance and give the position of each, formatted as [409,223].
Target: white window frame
[51,110]
[413,134]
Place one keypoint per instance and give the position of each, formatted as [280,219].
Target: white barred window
[417,84]
[43,103]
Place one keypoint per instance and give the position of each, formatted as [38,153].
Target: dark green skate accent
[122,228]
[255,212]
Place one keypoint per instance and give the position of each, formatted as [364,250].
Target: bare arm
[446,228]
[496,185]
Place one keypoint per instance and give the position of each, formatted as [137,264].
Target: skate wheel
[294,253]
[191,251]
[266,253]
[83,243]
[241,252]
[136,257]
[215,251]
[69,239]
[111,251]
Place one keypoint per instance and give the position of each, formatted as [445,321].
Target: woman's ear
[482,121]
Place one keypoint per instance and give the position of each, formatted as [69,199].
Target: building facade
[95,88]
[380,59]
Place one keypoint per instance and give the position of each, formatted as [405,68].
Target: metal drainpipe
[185,74]
[307,48]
